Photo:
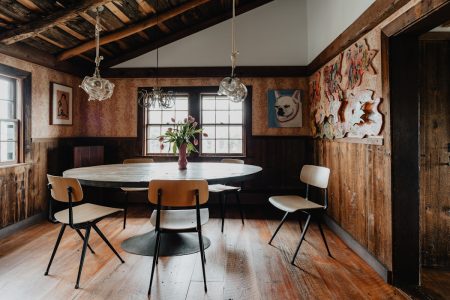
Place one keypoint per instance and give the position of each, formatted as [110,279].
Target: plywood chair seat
[219,188]
[292,203]
[180,219]
[85,213]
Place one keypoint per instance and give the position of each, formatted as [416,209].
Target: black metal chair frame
[159,231]
[315,214]
[87,226]
[222,196]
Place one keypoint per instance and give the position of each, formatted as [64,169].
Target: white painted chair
[136,160]
[311,175]
[83,216]
[222,192]
[168,195]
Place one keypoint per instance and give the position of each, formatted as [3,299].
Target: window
[159,120]
[224,122]
[9,121]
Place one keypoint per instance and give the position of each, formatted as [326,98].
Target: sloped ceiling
[279,33]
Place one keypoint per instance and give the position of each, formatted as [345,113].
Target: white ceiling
[279,33]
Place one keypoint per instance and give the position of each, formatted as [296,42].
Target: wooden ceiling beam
[42,24]
[133,29]
[30,5]
[50,41]
[123,17]
[148,9]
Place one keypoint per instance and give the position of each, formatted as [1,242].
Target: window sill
[13,165]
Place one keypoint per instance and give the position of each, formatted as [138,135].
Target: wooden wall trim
[195,72]
[374,15]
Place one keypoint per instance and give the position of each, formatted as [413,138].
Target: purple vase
[182,161]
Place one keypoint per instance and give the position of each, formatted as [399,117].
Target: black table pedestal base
[172,244]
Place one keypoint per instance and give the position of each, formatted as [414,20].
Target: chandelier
[157,95]
[232,86]
[96,87]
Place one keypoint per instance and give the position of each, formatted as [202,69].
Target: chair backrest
[138,160]
[232,161]
[59,187]
[179,192]
[315,176]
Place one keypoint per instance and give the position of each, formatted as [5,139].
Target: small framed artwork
[285,108]
[61,108]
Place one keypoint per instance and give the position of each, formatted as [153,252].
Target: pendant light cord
[157,48]
[98,58]
[234,52]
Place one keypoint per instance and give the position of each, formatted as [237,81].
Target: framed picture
[61,107]
[284,108]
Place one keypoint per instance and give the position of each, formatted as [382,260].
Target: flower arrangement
[182,133]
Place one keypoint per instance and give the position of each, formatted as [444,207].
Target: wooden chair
[222,192]
[136,160]
[83,216]
[311,175]
[185,196]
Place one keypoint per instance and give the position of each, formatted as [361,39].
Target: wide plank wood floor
[240,265]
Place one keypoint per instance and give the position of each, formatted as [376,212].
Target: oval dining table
[140,174]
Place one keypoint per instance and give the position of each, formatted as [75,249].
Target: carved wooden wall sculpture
[345,108]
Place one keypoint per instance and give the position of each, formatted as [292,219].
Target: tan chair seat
[291,203]
[85,213]
[134,189]
[180,219]
[218,188]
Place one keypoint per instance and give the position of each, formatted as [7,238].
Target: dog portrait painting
[285,108]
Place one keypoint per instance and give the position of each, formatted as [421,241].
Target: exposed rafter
[42,24]
[133,29]
[147,9]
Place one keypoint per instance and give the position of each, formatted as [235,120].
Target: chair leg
[158,236]
[323,237]
[202,249]
[202,255]
[300,223]
[83,254]
[61,232]
[222,213]
[224,196]
[238,200]
[279,226]
[125,211]
[107,242]
[158,241]
[301,238]
[82,237]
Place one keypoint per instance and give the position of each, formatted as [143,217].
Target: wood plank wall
[434,152]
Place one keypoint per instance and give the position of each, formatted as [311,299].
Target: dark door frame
[402,61]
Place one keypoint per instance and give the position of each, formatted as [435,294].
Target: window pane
[208,104]
[154,117]
[153,132]
[236,146]
[153,146]
[8,151]
[235,132]
[6,88]
[8,131]
[208,117]
[167,115]
[181,115]
[211,131]
[222,104]
[235,105]
[236,117]
[208,146]
[7,110]
[222,132]
[222,146]
[181,104]
[222,117]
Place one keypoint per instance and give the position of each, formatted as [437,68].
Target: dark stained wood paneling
[359,193]
[434,153]
[85,156]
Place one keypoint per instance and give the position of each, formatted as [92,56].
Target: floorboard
[240,264]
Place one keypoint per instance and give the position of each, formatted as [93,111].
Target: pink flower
[172,119]
[161,146]
[185,120]
[195,142]
[191,119]
[169,130]
[194,124]
[205,134]
[161,139]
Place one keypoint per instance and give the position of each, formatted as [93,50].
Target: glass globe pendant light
[232,86]
[157,95]
[96,87]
